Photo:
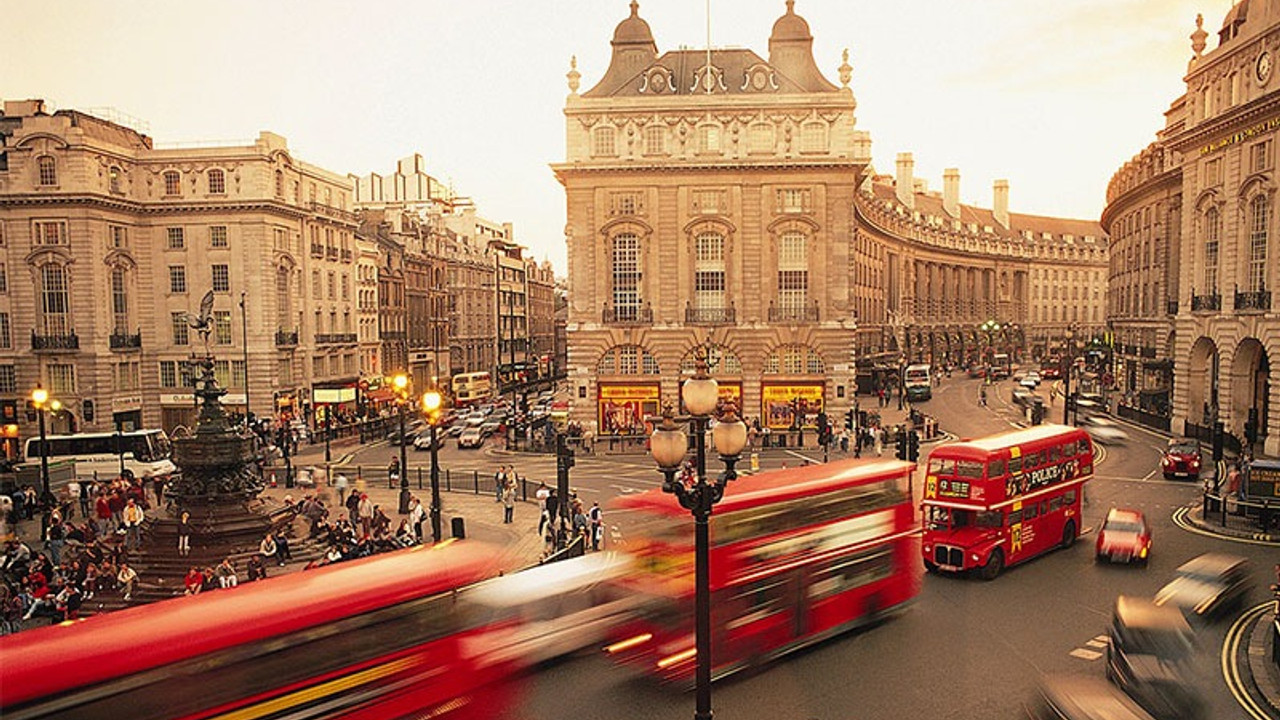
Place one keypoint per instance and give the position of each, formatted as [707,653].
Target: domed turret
[633,51]
[791,51]
[790,27]
[634,30]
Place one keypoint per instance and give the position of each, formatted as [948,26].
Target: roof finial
[635,8]
[573,75]
[1197,37]
[846,72]
[791,7]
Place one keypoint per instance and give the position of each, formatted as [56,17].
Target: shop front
[177,410]
[791,405]
[624,408]
[126,413]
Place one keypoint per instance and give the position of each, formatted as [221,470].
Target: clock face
[1263,68]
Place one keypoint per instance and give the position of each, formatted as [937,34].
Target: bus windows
[1015,517]
[1030,511]
[969,469]
[997,468]
[1055,504]
[936,518]
[941,466]
[989,519]
[1015,465]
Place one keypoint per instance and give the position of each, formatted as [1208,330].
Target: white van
[918,382]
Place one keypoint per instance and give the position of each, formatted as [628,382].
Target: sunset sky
[1053,95]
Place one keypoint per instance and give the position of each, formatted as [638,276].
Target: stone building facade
[715,197]
[109,242]
[1195,213]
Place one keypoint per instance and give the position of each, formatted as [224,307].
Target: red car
[1181,459]
[1125,537]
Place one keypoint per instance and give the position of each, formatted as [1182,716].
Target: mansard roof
[735,68]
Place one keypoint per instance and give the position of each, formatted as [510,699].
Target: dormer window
[172,183]
[217,182]
[113,179]
[47,170]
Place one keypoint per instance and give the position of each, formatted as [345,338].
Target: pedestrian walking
[416,516]
[184,534]
[73,494]
[55,539]
[499,483]
[133,516]
[877,438]
[365,511]
[341,484]
[158,488]
[596,517]
[508,501]
[542,494]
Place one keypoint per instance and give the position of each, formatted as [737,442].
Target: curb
[1264,676]
[1195,515]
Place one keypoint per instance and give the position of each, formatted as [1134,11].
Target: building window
[8,379]
[708,139]
[317,287]
[50,232]
[346,287]
[217,182]
[181,331]
[792,200]
[1260,156]
[119,299]
[284,371]
[237,373]
[284,304]
[221,278]
[55,301]
[279,184]
[332,285]
[1212,227]
[177,279]
[793,272]
[218,236]
[168,374]
[6,334]
[177,239]
[222,372]
[62,378]
[626,276]
[119,237]
[708,271]
[113,179]
[655,140]
[1212,172]
[47,170]
[126,376]
[222,327]
[603,142]
[1259,216]
[4,279]
[172,183]
[761,138]
[813,137]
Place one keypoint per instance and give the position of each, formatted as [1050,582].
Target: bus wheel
[1069,534]
[995,563]
[930,567]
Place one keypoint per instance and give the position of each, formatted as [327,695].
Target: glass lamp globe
[730,435]
[431,401]
[701,395]
[668,445]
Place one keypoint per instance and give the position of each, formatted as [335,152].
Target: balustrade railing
[69,341]
[286,338]
[126,341]
[1253,300]
[627,315]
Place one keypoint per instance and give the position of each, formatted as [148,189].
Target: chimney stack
[905,184]
[951,191]
[1000,202]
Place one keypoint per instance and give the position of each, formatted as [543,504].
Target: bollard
[755,462]
[448,481]
[419,477]
[475,480]
[459,528]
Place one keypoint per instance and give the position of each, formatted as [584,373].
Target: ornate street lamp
[431,404]
[41,402]
[401,383]
[1070,356]
[669,445]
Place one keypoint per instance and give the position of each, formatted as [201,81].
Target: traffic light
[901,454]
[913,446]
[848,419]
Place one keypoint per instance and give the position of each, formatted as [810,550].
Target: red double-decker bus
[1003,499]
[381,637]
[797,556]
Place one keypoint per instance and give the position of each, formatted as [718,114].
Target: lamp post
[401,384]
[431,403]
[669,445]
[1066,375]
[40,400]
[244,333]
[990,327]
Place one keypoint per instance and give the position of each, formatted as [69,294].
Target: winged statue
[203,322]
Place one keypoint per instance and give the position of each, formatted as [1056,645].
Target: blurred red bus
[380,637]
[1003,499]
[797,556]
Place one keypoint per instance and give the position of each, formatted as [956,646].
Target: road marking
[1231,666]
[628,490]
[1149,475]
[1085,654]
[1099,642]
[1180,519]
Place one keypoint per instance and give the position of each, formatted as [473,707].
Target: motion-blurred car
[1050,372]
[1030,380]
[977,371]
[1181,459]
[1208,586]
[1023,397]
[489,427]
[470,438]
[423,440]
[1078,697]
[1125,536]
[1150,656]
[1103,430]
[410,433]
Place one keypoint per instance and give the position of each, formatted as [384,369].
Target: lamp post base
[404,499]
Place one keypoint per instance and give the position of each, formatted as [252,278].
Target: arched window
[813,137]
[55,300]
[46,170]
[217,182]
[1259,216]
[627,360]
[1212,228]
[708,271]
[626,276]
[120,300]
[172,182]
[113,179]
[794,360]
[720,361]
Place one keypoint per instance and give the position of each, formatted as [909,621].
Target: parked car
[489,427]
[1103,430]
[1125,537]
[423,440]
[1079,697]
[471,438]
[1181,459]
[1208,586]
[1030,380]
[1150,656]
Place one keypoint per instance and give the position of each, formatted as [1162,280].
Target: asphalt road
[966,649]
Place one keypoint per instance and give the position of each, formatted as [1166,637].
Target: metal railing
[335,338]
[70,341]
[1206,303]
[286,338]
[1253,300]
[627,315]
[126,341]
[1171,307]
[710,316]
[791,313]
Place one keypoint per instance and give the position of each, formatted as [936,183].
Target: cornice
[1189,141]
[669,168]
[139,208]
[1169,179]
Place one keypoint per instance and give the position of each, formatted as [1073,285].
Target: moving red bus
[797,556]
[380,637]
[1003,499]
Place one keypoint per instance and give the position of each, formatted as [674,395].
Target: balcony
[794,314]
[627,315]
[335,338]
[1171,307]
[126,341]
[391,336]
[55,343]
[710,316]
[317,250]
[331,253]
[346,256]
[1254,300]
[286,338]
[1206,303]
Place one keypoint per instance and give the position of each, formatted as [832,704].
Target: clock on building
[1262,69]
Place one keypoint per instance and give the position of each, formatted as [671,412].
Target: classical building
[718,198]
[542,317]
[109,242]
[1194,215]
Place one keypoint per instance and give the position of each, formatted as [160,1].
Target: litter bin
[459,528]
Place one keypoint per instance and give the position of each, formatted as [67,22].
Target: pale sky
[1053,95]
